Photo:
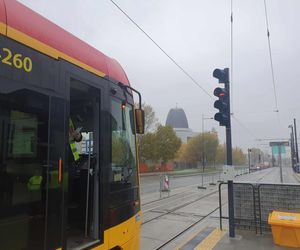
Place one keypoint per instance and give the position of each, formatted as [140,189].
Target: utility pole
[296,144]
[203,143]
[228,130]
[292,147]
[249,151]
[203,163]
[224,119]
[280,163]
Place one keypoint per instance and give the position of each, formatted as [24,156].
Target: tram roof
[28,27]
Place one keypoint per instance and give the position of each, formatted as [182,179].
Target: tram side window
[23,132]
[23,155]
[123,166]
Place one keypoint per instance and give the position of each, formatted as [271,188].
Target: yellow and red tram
[48,200]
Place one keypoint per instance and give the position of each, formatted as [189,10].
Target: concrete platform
[248,241]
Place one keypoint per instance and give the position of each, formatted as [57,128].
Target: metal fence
[280,197]
[244,206]
[254,202]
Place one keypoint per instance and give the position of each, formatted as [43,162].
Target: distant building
[177,120]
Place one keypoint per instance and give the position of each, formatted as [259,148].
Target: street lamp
[203,144]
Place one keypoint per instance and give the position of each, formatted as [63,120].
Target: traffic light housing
[222,75]
[222,104]
[223,117]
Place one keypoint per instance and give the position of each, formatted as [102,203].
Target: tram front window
[123,168]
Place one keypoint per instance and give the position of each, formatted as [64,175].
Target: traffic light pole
[224,119]
[296,144]
[229,163]
[228,130]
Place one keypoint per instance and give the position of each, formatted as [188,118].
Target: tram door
[83,166]
[31,144]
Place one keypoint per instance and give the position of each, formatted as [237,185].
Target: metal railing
[252,204]
[280,197]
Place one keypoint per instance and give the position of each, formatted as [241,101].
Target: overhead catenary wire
[260,112]
[271,59]
[163,51]
[244,127]
[231,55]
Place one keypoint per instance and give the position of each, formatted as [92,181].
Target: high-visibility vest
[72,143]
[53,180]
[34,183]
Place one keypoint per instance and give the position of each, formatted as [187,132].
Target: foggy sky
[196,33]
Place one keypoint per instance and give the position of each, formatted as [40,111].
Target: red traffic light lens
[220,92]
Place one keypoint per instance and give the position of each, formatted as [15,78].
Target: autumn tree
[202,147]
[167,143]
[159,144]
[238,156]
[151,121]
[147,151]
[221,154]
[182,153]
[146,141]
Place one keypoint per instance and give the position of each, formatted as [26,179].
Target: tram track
[178,207]
[169,197]
[182,205]
[268,171]
[184,195]
[188,228]
[164,213]
[177,189]
[171,240]
[206,182]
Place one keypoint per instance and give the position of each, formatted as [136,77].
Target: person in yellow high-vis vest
[74,136]
[74,157]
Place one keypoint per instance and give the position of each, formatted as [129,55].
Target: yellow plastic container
[285,228]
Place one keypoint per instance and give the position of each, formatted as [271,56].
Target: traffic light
[223,116]
[222,104]
[222,75]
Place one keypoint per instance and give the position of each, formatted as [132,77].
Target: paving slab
[164,228]
[209,222]
[248,240]
[202,207]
